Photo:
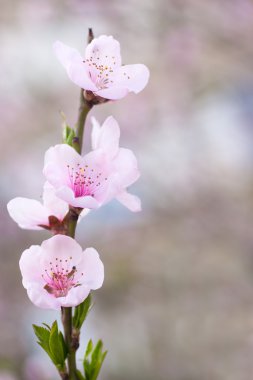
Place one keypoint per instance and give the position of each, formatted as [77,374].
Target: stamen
[60,281]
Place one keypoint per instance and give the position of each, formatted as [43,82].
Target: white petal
[132,77]
[132,202]
[72,61]
[68,196]
[113,92]
[28,213]
[80,76]
[92,268]
[107,137]
[126,167]
[66,54]
[60,247]
[95,133]
[55,205]
[41,298]
[104,50]
[57,161]
[29,265]
[75,296]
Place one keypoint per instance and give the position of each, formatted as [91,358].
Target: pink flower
[31,214]
[106,138]
[58,273]
[100,71]
[92,180]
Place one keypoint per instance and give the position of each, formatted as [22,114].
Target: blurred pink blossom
[58,273]
[101,71]
[6,376]
[37,367]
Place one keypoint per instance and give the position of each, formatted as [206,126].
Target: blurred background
[177,302]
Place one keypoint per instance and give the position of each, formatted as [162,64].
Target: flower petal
[132,202]
[93,269]
[67,195]
[55,205]
[28,213]
[104,50]
[57,161]
[65,54]
[72,61]
[106,137]
[80,76]
[41,298]
[112,92]
[133,77]
[125,165]
[28,264]
[95,133]
[60,246]
[75,296]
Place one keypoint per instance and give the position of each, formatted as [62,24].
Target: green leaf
[55,345]
[97,351]
[41,333]
[64,346]
[93,360]
[68,134]
[43,336]
[98,366]
[79,375]
[52,341]
[89,348]
[47,326]
[81,312]
[86,369]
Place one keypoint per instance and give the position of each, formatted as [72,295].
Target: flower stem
[84,108]
[67,324]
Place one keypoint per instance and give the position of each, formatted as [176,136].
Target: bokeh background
[177,303]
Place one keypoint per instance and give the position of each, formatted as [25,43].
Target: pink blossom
[92,180]
[4,375]
[106,138]
[100,71]
[31,214]
[58,273]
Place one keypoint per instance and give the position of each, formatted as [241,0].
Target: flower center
[101,74]
[59,280]
[84,181]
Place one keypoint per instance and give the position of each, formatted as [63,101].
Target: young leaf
[43,339]
[89,348]
[86,369]
[47,326]
[64,346]
[96,370]
[52,341]
[55,345]
[97,352]
[79,375]
[68,134]
[81,312]
[41,333]
[93,360]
